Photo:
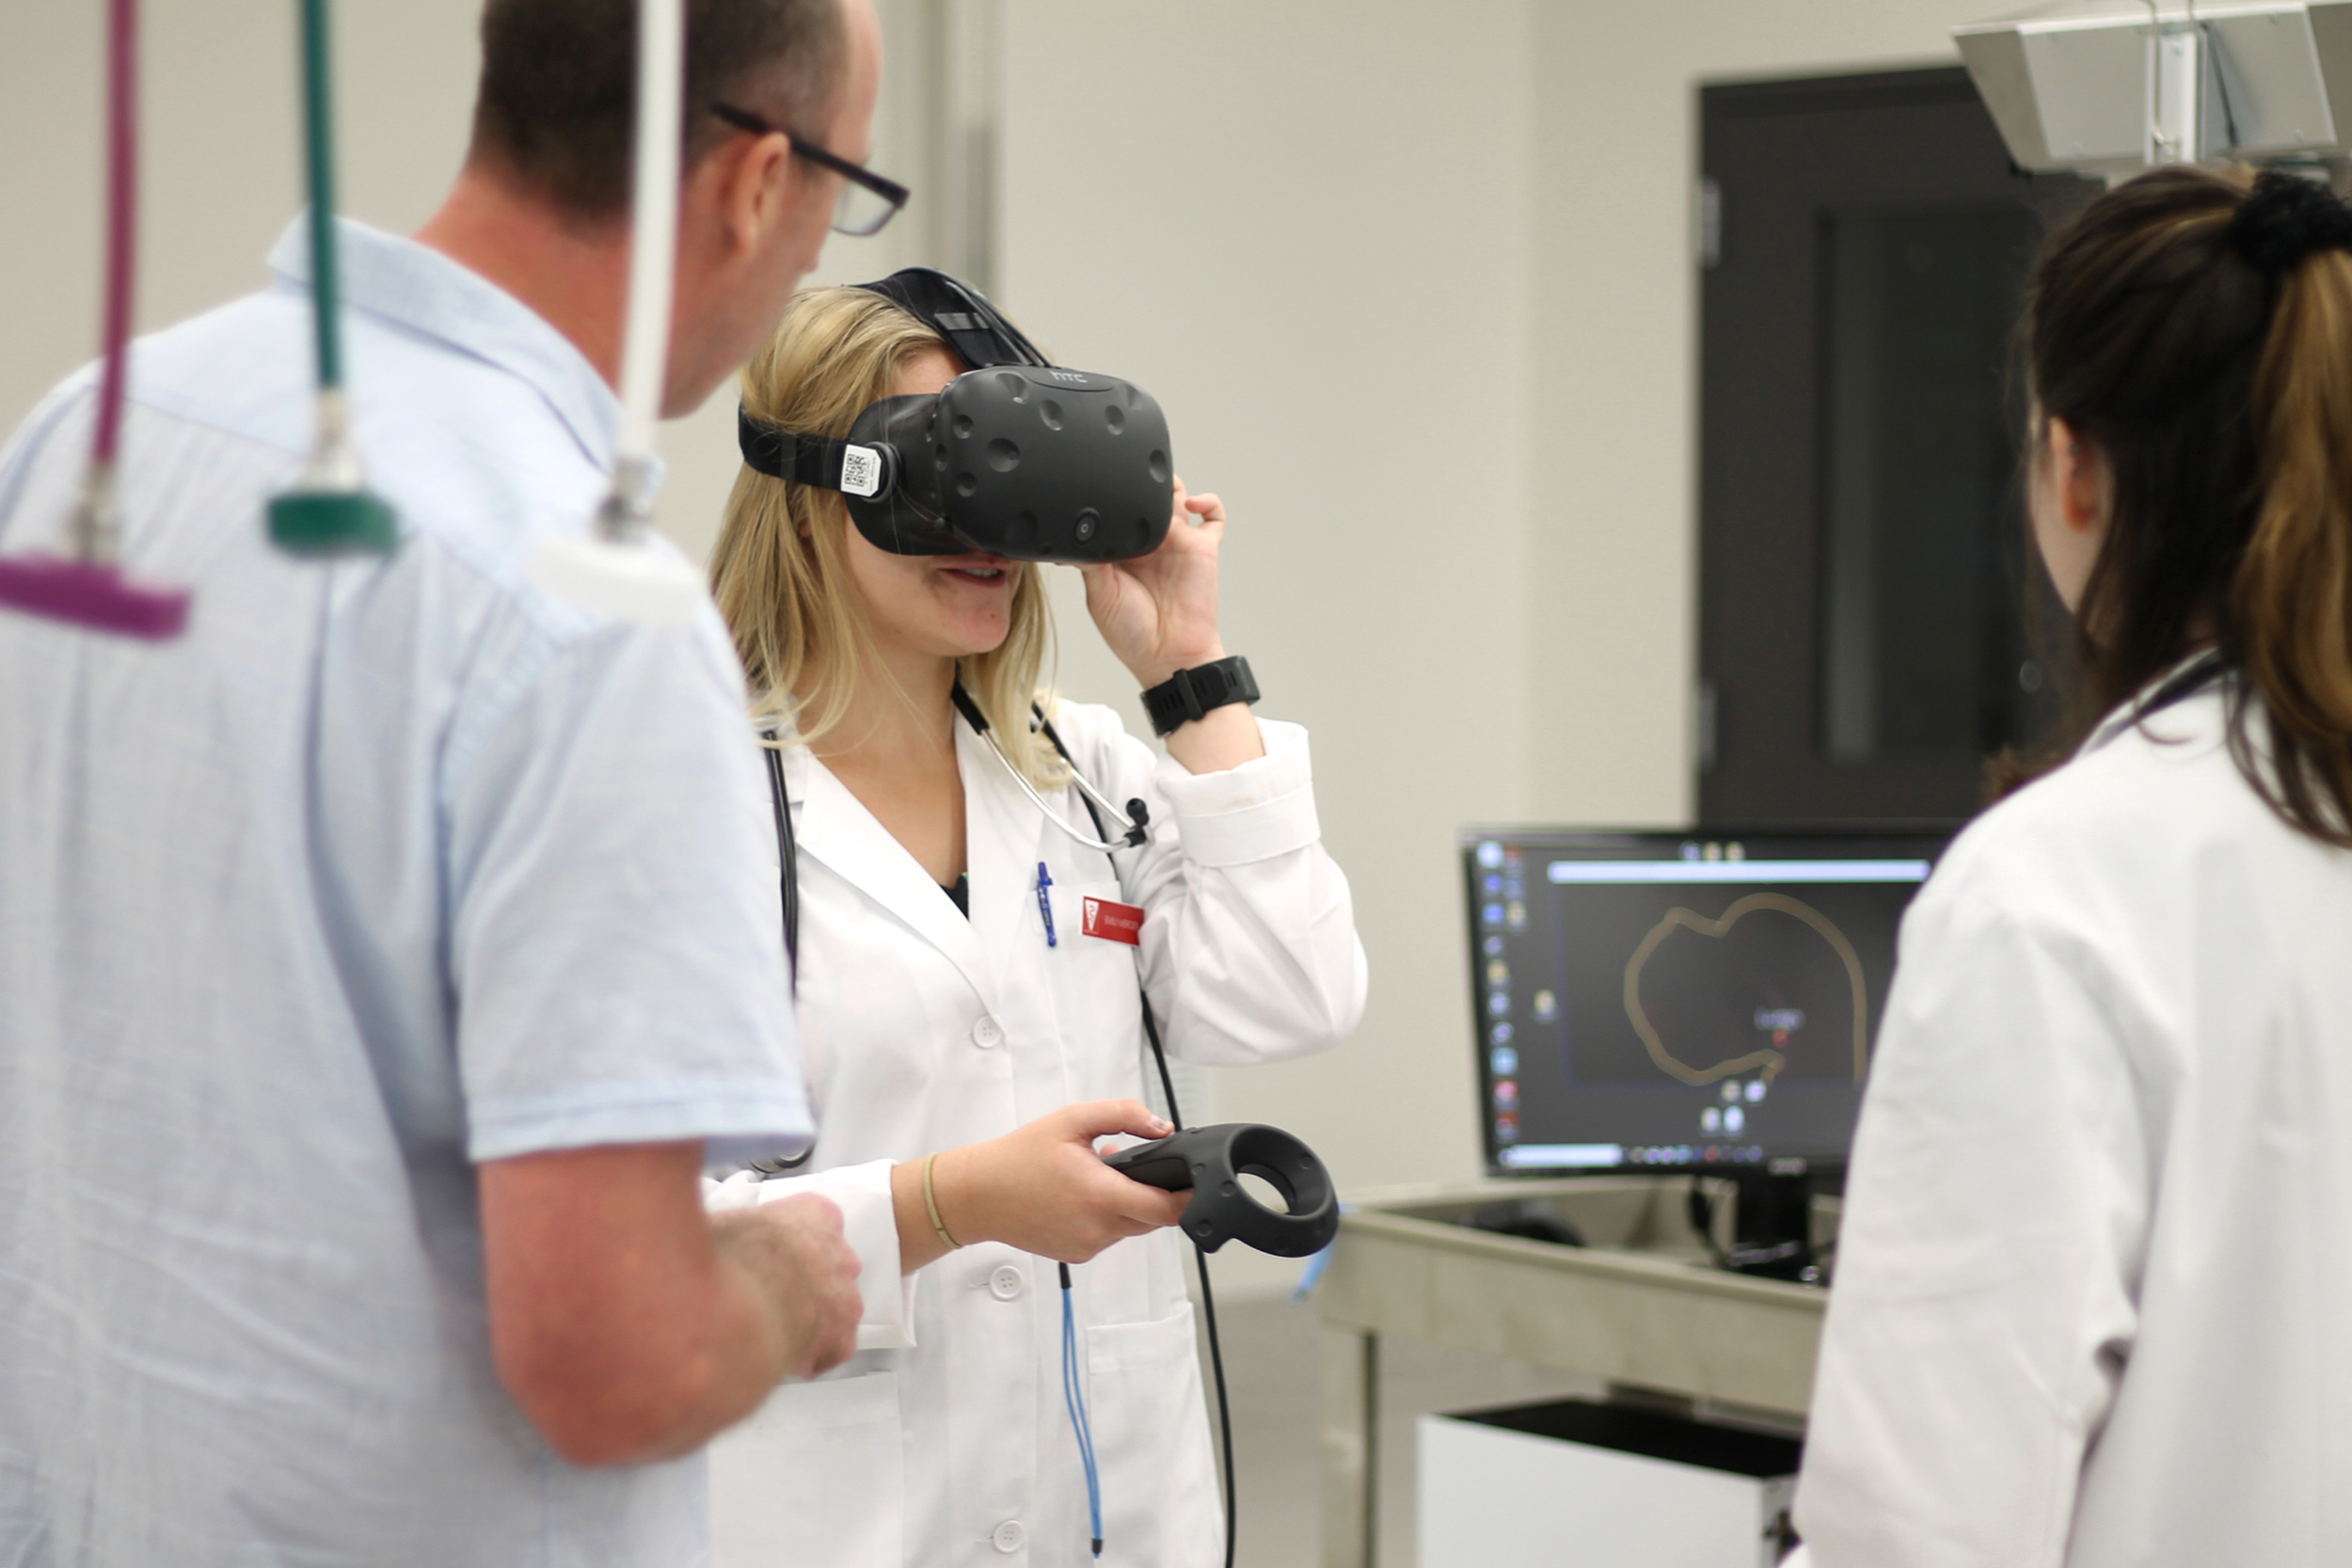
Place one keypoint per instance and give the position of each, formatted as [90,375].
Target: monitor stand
[1773,1227]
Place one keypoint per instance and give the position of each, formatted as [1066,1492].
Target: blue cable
[1075,1396]
[1317,1264]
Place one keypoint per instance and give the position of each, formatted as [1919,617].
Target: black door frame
[1887,137]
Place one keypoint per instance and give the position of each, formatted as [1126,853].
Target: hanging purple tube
[88,588]
[123,220]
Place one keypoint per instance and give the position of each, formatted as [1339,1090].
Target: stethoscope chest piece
[1212,1160]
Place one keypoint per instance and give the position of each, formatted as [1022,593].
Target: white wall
[1410,275]
[222,170]
[1306,228]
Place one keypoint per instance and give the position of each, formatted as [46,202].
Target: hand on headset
[1040,1187]
[1158,613]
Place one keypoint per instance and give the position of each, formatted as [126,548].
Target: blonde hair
[781,570]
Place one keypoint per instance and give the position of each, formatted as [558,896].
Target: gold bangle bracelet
[931,1202]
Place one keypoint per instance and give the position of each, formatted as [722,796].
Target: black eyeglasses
[867,199]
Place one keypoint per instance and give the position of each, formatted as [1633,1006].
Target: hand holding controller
[1212,1160]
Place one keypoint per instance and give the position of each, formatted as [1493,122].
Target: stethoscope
[2201,671]
[1134,825]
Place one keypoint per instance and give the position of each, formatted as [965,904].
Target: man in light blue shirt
[381,960]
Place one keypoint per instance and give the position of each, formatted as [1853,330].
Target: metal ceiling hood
[2113,87]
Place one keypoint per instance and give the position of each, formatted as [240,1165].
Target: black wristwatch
[1189,693]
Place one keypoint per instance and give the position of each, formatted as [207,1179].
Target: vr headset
[1016,457]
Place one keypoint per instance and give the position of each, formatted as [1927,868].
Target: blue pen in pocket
[1044,905]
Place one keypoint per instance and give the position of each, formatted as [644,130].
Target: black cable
[1200,1254]
[787,856]
[1224,1409]
[788,859]
[1208,1304]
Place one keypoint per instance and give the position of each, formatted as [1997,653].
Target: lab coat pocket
[814,1476]
[1160,1505]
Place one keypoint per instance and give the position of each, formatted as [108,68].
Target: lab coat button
[1004,1285]
[1009,1535]
[988,1034]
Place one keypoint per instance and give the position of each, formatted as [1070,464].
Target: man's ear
[751,179]
[2085,484]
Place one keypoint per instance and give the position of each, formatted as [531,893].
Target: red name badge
[1114,921]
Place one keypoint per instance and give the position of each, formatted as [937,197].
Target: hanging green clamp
[330,512]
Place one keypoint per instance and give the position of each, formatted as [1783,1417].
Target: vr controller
[1212,1160]
[1015,457]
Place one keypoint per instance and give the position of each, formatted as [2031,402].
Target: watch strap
[1189,693]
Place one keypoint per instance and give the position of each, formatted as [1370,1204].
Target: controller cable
[1167,1089]
[1074,1395]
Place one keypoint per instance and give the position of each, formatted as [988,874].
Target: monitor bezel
[1926,839]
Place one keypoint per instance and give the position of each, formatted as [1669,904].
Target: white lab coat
[945,1441]
[2096,1259]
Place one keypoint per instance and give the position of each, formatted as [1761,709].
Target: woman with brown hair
[968,977]
[2095,1265]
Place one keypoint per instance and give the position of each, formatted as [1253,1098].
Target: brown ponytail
[2211,365]
[2291,606]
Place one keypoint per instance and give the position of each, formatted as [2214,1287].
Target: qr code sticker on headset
[861,471]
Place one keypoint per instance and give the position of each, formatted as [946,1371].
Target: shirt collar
[420,291]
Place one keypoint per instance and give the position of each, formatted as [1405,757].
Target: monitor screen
[1680,1000]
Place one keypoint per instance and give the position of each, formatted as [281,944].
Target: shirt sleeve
[1988,1257]
[616,944]
[869,1219]
[1249,944]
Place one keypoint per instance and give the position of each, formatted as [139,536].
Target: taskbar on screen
[1558,1157]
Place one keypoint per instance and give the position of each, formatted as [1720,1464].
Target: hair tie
[2286,219]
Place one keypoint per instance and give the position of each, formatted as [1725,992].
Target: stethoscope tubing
[1053,817]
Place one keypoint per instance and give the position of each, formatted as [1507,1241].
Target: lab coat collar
[834,826]
[416,289]
[2192,676]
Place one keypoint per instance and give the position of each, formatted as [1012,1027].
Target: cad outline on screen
[1769,1060]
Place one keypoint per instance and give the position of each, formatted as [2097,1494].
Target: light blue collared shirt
[383,870]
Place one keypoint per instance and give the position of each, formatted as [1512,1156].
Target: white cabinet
[1573,1484]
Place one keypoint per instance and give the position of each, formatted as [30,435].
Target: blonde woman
[962,1061]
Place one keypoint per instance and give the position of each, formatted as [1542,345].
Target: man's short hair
[557,107]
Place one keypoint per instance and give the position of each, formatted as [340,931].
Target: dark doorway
[1872,624]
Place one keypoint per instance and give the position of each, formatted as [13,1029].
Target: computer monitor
[1680,1000]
